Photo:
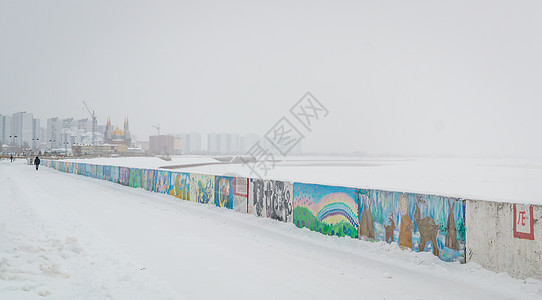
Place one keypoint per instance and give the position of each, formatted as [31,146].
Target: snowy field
[503,180]
[64,236]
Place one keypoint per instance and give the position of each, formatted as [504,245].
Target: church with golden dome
[117,136]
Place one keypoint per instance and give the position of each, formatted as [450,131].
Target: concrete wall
[271,199]
[503,237]
[202,188]
[330,210]
[240,194]
[491,241]
[423,223]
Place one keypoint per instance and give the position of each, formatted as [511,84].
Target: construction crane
[94,122]
[157,128]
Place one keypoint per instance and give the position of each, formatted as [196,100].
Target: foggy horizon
[412,79]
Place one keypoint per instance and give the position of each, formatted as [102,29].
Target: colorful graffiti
[100,172]
[147,179]
[93,171]
[81,169]
[419,222]
[88,170]
[330,210]
[107,173]
[202,188]
[271,199]
[161,181]
[224,191]
[124,176]
[240,194]
[115,173]
[135,178]
[180,185]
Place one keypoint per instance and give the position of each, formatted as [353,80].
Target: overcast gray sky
[412,77]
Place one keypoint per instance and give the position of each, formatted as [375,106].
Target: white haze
[398,77]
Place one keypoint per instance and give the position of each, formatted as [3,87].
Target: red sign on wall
[523,221]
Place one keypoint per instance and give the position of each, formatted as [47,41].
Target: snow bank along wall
[452,229]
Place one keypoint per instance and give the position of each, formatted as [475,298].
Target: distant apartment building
[161,144]
[23,129]
[213,143]
[231,145]
[85,124]
[54,126]
[69,132]
[190,143]
[37,138]
[20,130]
[5,130]
[177,145]
[223,143]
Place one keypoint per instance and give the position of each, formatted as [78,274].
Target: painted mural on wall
[180,185]
[420,222]
[161,181]
[93,171]
[135,178]
[224,191]
[271,199]
[115,174]
[147,179]
[81,168]
[107,173]
[240,194]
[202,188]
[124,176]
[330,210]
[88,170]
[100,172]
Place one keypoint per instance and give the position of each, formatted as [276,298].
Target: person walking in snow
[11,157]
[37,162]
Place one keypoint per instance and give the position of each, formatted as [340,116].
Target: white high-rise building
[64,133]
[5,130]
[232,143]
[195,142]
[36,134]
[85,124]
[226,143]
[53,132]
[213,143]
[20,130]
[190,142]
[23,129]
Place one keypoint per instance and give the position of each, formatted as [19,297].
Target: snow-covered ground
[64,236]
[503,180]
